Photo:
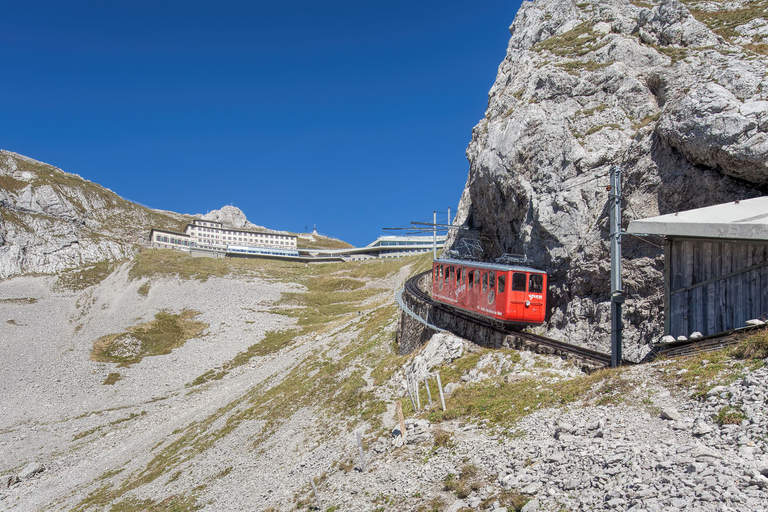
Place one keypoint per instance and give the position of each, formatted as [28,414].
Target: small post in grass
[440,387]
[401,418]
[360,448]
[314,490]
[416,392]
[429,393]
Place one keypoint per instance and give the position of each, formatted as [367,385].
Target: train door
[534,305]
[473,287]
[450,283]
[461,286]
[439,283]
[501,294]
[487,302]
[517,297]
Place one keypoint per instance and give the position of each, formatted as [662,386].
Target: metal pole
[440,387]
[314,489]
[434,234]
[360,448]
[617,297]
[449,215]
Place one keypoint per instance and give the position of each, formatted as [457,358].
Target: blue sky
[350,115]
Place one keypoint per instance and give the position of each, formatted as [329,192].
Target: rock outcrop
[676,96]
[51,220]
[231,216]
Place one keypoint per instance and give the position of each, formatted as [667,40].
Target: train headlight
[527,303]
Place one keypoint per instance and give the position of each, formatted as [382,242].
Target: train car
[509,294]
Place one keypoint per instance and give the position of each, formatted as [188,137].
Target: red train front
[508,293]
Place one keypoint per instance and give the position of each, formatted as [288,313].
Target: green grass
[724,22]
[578,41]
[144,289]
[504,403]
[20,300]
[730,416]
[112,378]
[646,121]
[597,128]
[334,380]
[322,242]
[157,337]
[718,368]
[84,277]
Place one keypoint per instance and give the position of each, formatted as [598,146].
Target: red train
[506,293]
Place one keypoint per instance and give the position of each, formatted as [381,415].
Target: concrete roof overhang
[744,220]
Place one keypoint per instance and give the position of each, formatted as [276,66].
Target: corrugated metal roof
[743,220]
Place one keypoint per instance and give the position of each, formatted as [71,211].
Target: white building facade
[214,236]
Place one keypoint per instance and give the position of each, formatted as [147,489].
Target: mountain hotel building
[214,236]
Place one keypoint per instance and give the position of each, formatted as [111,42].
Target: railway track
[706,344]
[600,359]
[548,345]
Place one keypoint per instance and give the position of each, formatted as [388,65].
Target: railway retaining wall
[412,333]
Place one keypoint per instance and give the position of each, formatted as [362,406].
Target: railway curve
[437,316]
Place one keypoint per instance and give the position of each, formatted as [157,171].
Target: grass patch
[321,242]
[752,347]
[463,484]
[674,53]
[112,378]
[106,496]
[597,128]
[761,48]
[724,22]
[20,300]
[81,278]
[646,121]
[578,41]
[157,337]
[504,403]
[701,372]
[144,289]
[730,416]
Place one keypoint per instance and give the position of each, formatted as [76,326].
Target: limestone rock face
[231,216]
[676,96]
[51,220]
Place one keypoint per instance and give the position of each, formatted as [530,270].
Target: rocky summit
[675,93]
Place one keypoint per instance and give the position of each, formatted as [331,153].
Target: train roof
[491,266]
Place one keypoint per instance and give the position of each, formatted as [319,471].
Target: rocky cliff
[51,220]
[675,93]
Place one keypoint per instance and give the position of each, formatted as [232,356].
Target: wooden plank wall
[715,285]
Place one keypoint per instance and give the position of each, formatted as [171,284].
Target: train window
[458,275]
[502,283]
[447,274]
[492,279]
[471,278]
[518,282]
[536,283]
[464,276]
[485,281]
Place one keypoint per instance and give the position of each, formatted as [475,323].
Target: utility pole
[617,296]
[449,215]
[434,234]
